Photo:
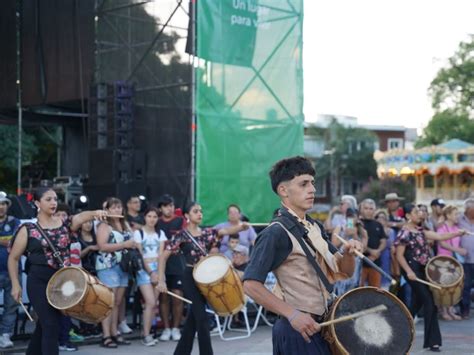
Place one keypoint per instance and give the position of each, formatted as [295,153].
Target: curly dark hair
[289,168]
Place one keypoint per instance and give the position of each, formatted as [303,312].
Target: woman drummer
[208,240]
[41,264]
[113,236]
[413,253]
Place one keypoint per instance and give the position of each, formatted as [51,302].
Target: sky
[375,59]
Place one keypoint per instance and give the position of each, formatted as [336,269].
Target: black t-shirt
[175,264]
[88,261]
[376,233]
[135,220]
[272,247]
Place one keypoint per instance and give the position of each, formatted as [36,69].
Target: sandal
[108,342]
[120,341]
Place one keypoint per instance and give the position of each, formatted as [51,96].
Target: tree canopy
[452,93]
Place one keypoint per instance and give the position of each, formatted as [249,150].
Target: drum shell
[451,294]
[225,295]
[330,334]
[95,304]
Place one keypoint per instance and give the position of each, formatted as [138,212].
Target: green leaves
[452,92]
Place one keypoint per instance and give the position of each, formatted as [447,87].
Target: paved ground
[458,338]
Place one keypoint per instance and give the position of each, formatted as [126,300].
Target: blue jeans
[9,305]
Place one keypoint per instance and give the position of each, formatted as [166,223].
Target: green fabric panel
[249,101]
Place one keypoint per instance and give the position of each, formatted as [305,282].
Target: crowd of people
[96,241]
[399,239]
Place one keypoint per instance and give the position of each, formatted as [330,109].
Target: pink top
[455,242]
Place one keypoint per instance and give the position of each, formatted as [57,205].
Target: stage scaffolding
[144,43]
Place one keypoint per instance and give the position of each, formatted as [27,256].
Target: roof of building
[455,144]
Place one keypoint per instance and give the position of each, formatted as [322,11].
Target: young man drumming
[302,296]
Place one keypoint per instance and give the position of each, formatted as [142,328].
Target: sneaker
[175,334]
[124,328]
[75,338]
[5,341]
[149,341]
[67,347]
[166,335]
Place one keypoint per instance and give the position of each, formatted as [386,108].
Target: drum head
[444,270]
[387,332]
[66,288]
[211,269]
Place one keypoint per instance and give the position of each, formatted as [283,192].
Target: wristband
[293,315]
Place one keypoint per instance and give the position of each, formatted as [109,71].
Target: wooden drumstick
[368,261]
[259,224]
[26,311]
[365,312]
[114,216]
[429,284]
[179,297]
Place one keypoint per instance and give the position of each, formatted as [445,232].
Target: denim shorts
[113,277]
[143,278]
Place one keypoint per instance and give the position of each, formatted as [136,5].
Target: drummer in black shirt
[302,299]
[376,243]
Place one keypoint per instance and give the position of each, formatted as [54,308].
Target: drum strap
[195,242]
[302,238]
[56,253]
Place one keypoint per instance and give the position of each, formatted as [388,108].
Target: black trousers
[287,341]
[196,320]
[44,340]
[422,297]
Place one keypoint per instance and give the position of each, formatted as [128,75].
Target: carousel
[443,171]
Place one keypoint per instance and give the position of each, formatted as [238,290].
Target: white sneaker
[124,328]
[149,341]
[166,335]
[175,334]
[5,341]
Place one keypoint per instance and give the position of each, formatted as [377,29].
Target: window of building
[395,143]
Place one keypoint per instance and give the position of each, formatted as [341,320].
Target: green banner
[249,101]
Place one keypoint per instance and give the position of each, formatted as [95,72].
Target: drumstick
[114,216]
[26,311]
[179,297]
[368,261]
[259,224]
[429,283]
[365,312]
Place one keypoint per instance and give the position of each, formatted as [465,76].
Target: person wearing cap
[437,218]
[8,227]
[392,201]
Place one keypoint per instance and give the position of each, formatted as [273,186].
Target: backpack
[132,261]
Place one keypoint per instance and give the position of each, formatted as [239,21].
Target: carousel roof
[453,156]
[455,144]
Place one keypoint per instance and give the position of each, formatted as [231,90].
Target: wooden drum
[219,284]
[447,272]
[80,295]
[387,332]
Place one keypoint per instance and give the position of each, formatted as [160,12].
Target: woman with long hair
[185,242]
[113,236]
[41,264]
[151,245]
[413,253]
[452,248]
